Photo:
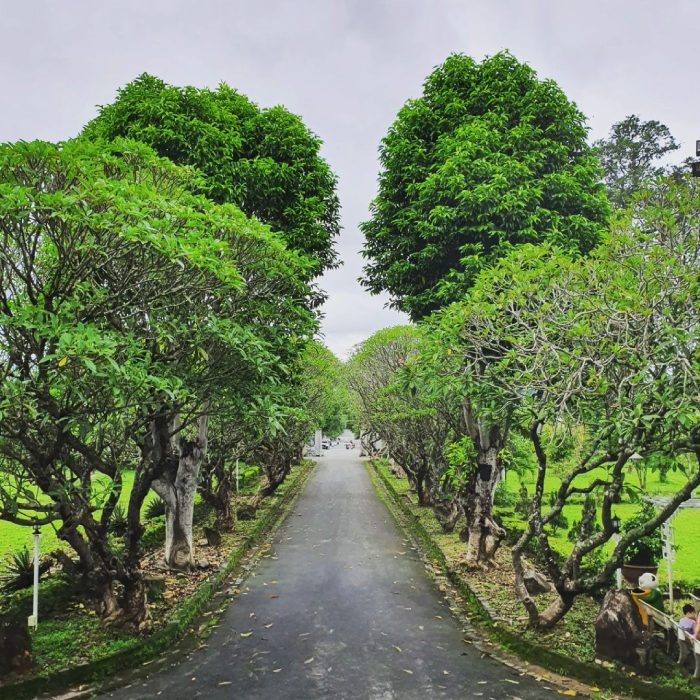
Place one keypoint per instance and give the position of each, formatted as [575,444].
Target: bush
[503,498]
[19,572]
[648,549]
[155,508]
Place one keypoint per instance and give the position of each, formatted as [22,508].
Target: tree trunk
[134,601]
[447,514]
[223,505]
[178,487]
[482,533]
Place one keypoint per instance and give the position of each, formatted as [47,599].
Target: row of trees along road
[152,322]
[541,317]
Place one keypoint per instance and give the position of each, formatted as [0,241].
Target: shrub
[503,497]
[117,523]
[648,549]
[19,572]
[155,508]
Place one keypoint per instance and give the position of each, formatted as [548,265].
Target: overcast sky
[345,66]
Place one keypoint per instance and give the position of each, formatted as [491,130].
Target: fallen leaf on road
[276,670]
[225,683]
[482,682]
[246,634]
[274,596]
[445,673]
[567,692]
[509,680]
[595,690]
[397,648]
[267,627]
[308,661]
[251,615]
[438,617]
[442,588]
[274,583]
[407,670]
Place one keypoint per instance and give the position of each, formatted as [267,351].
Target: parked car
[325,443]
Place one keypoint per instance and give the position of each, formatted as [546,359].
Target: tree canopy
[132,309]
[266,161]
[487,158]
[630,156]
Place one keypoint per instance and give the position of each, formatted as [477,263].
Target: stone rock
[213,537]
[203,565]
[15,645]
[536,582]
[619,631]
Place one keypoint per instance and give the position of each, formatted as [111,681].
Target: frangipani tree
[608,344]
[412,423]
[130,307]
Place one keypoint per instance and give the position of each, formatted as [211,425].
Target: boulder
[536,582]
[619,631]
[15,645]
[213,537]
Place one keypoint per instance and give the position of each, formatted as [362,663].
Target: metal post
[34,619]
[618,572]
[319,437]
[236,476]
[668,547]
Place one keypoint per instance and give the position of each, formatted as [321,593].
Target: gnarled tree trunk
[177,487]
[482,533]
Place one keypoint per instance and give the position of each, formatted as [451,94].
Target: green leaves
[265,161]
[488,158]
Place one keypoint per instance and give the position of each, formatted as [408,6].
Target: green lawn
[14,537]
[686,567]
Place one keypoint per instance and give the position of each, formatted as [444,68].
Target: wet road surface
[342,608]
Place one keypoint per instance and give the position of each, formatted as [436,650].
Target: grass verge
[419,521]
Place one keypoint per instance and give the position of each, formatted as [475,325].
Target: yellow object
[641,594]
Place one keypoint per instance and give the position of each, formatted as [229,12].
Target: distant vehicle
[350,445]
[325,443]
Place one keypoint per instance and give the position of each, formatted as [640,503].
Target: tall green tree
[487,158]
[630,155]
[265,161]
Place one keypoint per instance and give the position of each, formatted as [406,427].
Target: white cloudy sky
[346,66]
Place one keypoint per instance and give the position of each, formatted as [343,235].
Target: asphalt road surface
[342,608]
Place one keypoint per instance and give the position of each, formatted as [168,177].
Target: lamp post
[616,537]
[34,618]
[695,167]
